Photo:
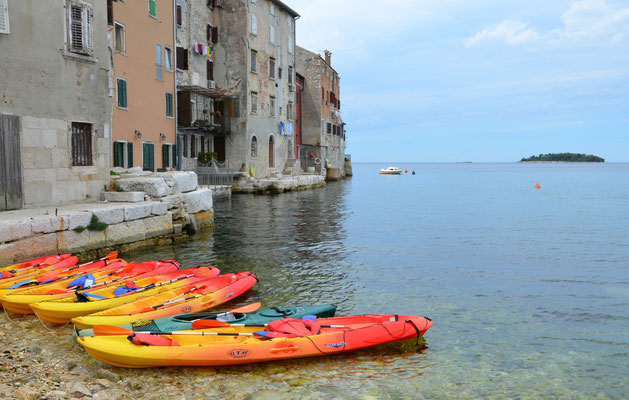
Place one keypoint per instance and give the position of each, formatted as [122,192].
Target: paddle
[205,323]
[174,299]
[55,274]
[70,288]
[110,330]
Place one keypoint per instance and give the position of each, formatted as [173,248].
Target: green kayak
[184,321]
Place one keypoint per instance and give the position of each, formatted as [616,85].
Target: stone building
[322,127]
[55,102]
[203,108]
[144,130]
[254,66]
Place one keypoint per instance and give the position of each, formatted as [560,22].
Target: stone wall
[277,185]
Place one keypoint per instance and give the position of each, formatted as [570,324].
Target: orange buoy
[405,171]
[537,186]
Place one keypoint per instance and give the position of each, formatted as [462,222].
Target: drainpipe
[178,140]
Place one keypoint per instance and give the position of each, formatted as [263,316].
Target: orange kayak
[18,300]
[238,345]
[31,265]
[191,298]
[60,311]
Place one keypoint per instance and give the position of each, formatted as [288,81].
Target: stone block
[59,158]
[59,223]
[159,208]
[102,145]
[37,193]
[199,200]
[28,157]
[56,124]
[63,174]
[33,122]
[43,158]
[31,137]
[14,230]
[7,254]
[129,197]
[50,175]
[49,138]
[137,211]
[42,224]
[132,231]
[76,219]
[110,215]
[36,246]
[173,201]
[34,175]
[158,226]
[179,181]
[154,187]
[62,140]
[72,241]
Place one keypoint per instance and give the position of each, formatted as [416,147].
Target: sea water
[528,288]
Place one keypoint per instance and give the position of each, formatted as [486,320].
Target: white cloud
[510,31]
[594,19]
[584,20]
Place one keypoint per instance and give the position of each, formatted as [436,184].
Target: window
[212,34]
[272,106]
[272,9]
[169,105]
[152,8]
[166,151]
[182,58]
[179,16]
[254,147]
[81,144]
[290,75]
[119,154]
[254,24]
[211,3]
[122,93]
[322,126]
[119,33]
[110,12]
[272,68]
[174,151]
[158,61]
[210,70]
[290,44]
[254,102]
[129,155]
[254,61]
[148,156]
[168,58]
[329,125]
[272,34]
[289,111]
[80,21]
[279,73]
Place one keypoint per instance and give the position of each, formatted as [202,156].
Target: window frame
[87,152]
[272,104]
[168,58]
[4,17]
[253,99]
[123,49]
[254,61]
[272,68]
[172,105]
[86,25]
[254,24]
[254,146]
[126,94]
[154,2]
[271,33]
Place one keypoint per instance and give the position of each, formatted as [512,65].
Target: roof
[286,8]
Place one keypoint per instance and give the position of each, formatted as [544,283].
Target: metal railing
[214,174]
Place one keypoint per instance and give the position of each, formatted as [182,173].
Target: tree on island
[564,157]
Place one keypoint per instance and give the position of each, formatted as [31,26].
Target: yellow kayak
[60,311]
[191,298]
[26,267]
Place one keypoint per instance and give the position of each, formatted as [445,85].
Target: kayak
[61,269]
[60,311]
[184,321]
[30,265]
[118,271]
[195,297]
[238,345]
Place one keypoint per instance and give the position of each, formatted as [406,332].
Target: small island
[563,157]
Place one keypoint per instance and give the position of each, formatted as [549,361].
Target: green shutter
[166,155]
[152,8]
[122,93]
[148,157]
[129,155]
[169,104]
[174,156]
[118,154]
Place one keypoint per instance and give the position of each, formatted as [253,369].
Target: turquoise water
[528,288]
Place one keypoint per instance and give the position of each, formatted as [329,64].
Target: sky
[481,80]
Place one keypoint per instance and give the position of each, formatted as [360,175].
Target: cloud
[593,19]
[585,20]
[511,31]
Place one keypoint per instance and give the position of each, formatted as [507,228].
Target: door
[271,152]
[10,163]
[148,157]
[219,148]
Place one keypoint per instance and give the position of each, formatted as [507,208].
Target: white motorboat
[391,171]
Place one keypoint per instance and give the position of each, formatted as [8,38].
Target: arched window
[290,149]
[271,152]
[254,147]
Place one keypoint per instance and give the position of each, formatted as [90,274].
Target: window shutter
[4,16]
[214,34]
[152,10]
[254,24]
[165,155]
[179,17]
[209,33]
[210,70]
[75,16]
[174,155]
[129,155]
[88,19]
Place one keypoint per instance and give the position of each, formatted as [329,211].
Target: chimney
[328,57]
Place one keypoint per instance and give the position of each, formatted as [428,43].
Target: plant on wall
[206,157]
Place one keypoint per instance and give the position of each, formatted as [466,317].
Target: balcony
[202,110]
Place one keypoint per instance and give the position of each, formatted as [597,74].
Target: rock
[127,197]
[26,393]
[199,200]
[104,382]
[137,211]
[77,387]
[110,215]
[154,187]
[179,181]
[56,395]
[107,375]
